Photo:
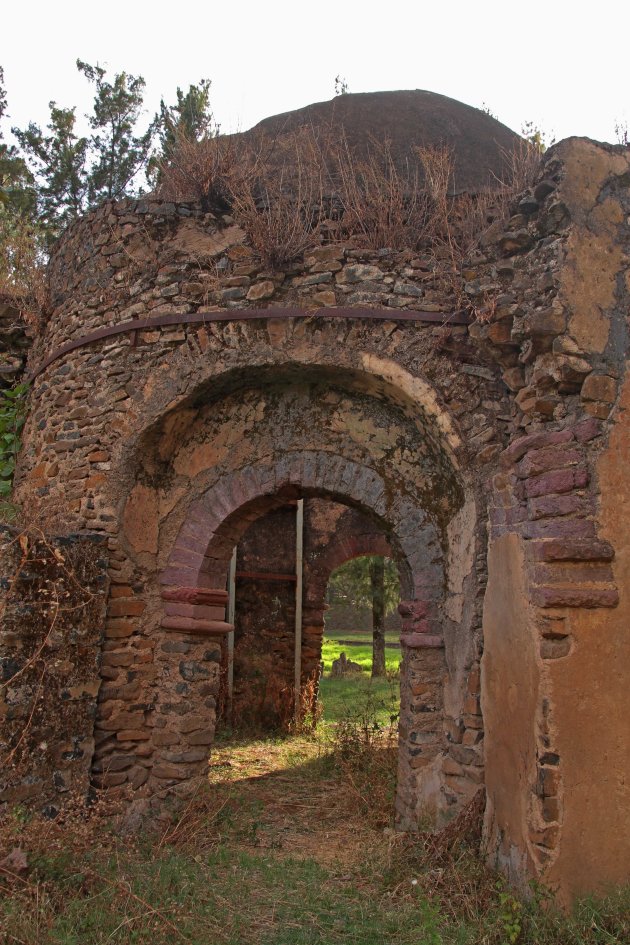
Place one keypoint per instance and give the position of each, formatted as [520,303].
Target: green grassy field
[359,696]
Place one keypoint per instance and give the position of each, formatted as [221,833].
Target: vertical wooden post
[299,562]
[231,610]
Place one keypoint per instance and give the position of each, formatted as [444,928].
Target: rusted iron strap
[240,315]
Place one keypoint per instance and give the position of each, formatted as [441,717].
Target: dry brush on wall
[288,193]
[54,594]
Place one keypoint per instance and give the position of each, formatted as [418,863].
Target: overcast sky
[560,64]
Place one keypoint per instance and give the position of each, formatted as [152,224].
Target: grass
[276,849]
[357,695]
[289,842]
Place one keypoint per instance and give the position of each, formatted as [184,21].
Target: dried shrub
[23,278]
[311,707]
[277,197]
[444,869]
[366,754]
[523,163]
[380,204]
[201,171]
[51,610]
[460,221]
[289,192]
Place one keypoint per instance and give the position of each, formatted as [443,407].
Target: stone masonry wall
[51,622]
[512,415]
[264,636]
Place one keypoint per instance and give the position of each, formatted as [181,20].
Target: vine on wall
[13,408]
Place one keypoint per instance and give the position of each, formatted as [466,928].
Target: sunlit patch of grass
[356,694]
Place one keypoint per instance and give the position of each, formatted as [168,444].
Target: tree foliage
[56,159]
[13,405]
[21,276]
[190,119]
[352,582]
[116,151]
[190,116]
[72,172]
[369,581]
[17,194]
[64,173]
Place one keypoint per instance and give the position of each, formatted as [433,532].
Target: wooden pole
[299,566]
[231,609]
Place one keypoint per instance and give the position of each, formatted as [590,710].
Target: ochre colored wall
[509,699]
[592,704]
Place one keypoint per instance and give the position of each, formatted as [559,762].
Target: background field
[355,696]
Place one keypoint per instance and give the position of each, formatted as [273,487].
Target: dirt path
[285,796]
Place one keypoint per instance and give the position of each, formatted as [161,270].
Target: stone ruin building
[186,401]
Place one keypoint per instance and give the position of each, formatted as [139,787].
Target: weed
[291,192]
[510,914]
[23,277]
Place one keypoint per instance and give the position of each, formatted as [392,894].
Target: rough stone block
[600,387]
[590,549]
[558,480]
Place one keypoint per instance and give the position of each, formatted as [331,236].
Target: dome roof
[478,142]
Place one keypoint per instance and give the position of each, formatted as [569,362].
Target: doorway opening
[299,570]
[361,652]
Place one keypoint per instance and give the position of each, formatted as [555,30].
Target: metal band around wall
[236,315]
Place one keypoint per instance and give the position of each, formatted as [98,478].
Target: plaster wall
[590,704]
[509,702]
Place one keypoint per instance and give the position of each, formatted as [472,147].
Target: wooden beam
[299,572]
[231,612]
[264,576]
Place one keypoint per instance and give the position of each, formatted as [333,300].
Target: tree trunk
[377,580]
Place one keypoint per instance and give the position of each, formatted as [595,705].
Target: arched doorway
[221,458]
[278,577]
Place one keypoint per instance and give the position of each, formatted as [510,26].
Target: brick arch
[196,572]
[194,596]
[352,536]
[237,367]
[339,553]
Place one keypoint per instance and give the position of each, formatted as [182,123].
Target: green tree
[369,581]
[21,275]
[73,172]
[190,119]
[57,162]
[17,194]
[190,116]
[117,152]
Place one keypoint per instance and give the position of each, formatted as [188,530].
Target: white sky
[562,64]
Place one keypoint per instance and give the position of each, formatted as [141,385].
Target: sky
[561,64]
